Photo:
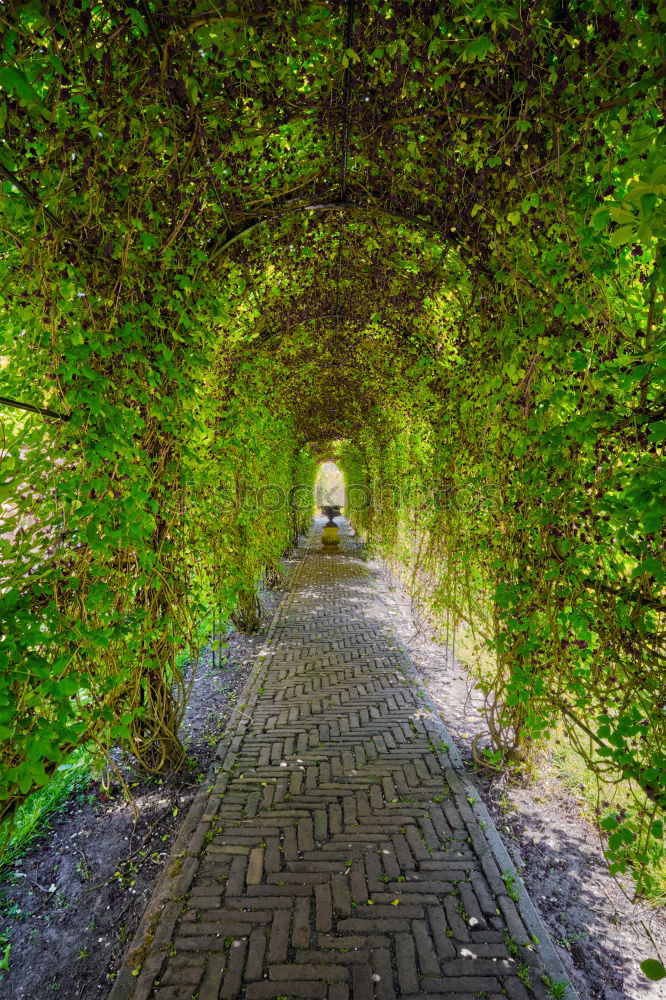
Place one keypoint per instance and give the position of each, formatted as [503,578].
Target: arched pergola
[432,232]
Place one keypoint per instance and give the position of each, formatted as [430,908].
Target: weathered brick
[300,935]
[324,907]
[184,969]
[362,986]
[405,957]
[266,990]
[255,866]
[428,961]
[255,956]
[232,980]
[212,979]
[324,957]
[382,974]
[279,936]
[460,984]
[307,970]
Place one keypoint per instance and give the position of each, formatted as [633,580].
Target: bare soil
[601,936]
[71,905]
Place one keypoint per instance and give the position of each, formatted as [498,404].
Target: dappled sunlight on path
[339,850]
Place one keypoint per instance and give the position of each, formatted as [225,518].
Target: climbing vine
[233,234]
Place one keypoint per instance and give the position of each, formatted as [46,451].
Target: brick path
[339,851]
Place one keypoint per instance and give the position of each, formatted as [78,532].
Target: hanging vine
[193,303]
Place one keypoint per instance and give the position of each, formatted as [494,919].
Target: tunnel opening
[424,238]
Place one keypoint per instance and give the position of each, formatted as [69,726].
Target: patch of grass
[511,883]
[556,988]
[33,817]
[523,973]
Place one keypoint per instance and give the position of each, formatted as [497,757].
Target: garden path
[339,849]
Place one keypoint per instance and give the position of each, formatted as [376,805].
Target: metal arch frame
[402,331]
[43,411]
[268,333]
[334,206]
[421,275]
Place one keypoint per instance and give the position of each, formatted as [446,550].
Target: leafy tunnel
[425,238]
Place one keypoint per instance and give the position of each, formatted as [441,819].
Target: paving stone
[362,984]
[308,971]
[232,980]
[266,990]
[338,832]
[210,984]
[255,959]
[382,974]
[405,956]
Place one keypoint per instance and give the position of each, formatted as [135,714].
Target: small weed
[556,988]
[506,805]
[10,910]
[511,945]
[568,938]
[511,884]
[523,973]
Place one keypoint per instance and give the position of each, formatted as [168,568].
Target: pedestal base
[330,536]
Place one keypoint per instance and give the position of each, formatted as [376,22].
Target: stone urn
[330,536]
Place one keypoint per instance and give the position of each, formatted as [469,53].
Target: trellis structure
[234,232]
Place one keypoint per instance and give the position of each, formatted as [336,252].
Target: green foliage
[479,322]
[32,818]
[653,969]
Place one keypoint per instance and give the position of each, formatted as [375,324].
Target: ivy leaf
[622,235]
[618,214]
[658,431]
[479,49]
[653,969]
[15,82]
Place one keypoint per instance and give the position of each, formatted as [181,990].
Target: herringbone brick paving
[337,853]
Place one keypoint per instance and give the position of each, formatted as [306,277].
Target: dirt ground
[71,905]
[600,935]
